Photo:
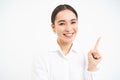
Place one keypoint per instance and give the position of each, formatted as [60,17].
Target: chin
[69,41]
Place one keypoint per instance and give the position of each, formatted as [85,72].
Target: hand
[94,57]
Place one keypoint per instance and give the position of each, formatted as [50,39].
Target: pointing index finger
[97,43]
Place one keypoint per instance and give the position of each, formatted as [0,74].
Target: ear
[53,27]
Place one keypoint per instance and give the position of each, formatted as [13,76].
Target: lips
[68,34]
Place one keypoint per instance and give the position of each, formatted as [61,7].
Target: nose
[68,27]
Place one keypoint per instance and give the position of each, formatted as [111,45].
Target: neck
[65,47]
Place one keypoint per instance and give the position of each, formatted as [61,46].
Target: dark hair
[60,8]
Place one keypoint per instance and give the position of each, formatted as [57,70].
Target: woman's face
[65,26]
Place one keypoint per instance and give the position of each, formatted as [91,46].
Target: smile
[68,34]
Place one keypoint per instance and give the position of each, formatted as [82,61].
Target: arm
[89,73]
[94,58]
[91,61]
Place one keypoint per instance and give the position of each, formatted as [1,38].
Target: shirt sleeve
[39,71]
[90,75]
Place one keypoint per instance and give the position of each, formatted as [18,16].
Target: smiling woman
[66,62]
[26,32]
[64,24]
[66,27]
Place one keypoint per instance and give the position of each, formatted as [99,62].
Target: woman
[66,62]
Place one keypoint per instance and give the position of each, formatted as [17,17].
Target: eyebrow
[61,21]
[74,20]
[64,20]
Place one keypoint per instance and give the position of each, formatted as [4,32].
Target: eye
[73,22]
[61,24]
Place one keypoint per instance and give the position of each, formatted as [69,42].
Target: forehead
[65,15]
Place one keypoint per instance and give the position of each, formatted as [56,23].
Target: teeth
[70,34]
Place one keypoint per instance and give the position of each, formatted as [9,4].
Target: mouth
[68,34]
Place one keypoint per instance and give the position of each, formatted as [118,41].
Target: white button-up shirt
[54,65]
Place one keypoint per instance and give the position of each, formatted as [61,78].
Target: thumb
[90,55]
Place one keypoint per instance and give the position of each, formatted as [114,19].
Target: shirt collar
[56,47]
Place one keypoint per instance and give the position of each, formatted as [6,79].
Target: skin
[94,57]
[66,28]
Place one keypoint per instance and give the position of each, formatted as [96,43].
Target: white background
[25,31]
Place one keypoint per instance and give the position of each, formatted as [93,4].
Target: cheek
[76,29]
[59,29]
